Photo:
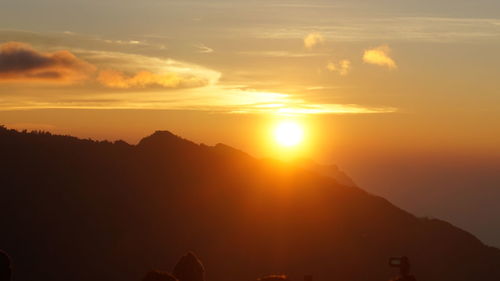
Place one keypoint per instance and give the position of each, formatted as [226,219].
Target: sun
[289,134]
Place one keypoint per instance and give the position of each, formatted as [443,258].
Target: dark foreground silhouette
[403,263]
[156,275]
[5,267]
[82,210]
[190,268]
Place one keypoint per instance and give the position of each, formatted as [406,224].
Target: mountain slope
[77,209]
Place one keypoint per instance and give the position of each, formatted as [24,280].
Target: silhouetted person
[189,268]
[5,267]
[273,277]
[156,275]
[404,270]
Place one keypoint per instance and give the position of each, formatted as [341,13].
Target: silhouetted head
[274,277]
[5,267]
[156,275]
[189,268]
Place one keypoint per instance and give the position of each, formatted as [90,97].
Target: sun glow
[289,134]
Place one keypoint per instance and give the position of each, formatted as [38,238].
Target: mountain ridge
[119,210]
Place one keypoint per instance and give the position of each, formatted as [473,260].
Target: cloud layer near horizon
[139,79]
[19,62]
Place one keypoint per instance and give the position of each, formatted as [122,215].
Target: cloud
[129,42]
[143,79]
[313,39]
[396,28]
[124,71]
[343,67]
[257,102]
[204,49]
[20,62]
[236,99]
[380,56]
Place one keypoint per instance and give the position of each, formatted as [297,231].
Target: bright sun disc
[289,134]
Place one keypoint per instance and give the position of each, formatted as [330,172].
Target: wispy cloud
[343,67]
[380,56]
[215,98]
[125,80]
[125,71]
[313,109]
[283,104]
[415,29]
[313,39]
[204,49]
[143,79]
[20,62]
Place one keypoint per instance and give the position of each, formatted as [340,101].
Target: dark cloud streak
[20,62]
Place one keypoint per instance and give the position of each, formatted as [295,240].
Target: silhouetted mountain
[83,210]
[165,140]
[327,170]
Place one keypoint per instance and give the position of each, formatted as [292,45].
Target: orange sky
[374,82]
